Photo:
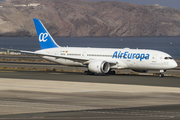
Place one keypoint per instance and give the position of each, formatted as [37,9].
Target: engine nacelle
[140,71]
[99,67]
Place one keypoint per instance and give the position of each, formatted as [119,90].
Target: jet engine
[140,71]
[99,67]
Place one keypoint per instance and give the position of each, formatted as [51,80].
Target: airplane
[101,60]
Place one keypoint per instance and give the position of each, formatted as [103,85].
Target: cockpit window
[167,58]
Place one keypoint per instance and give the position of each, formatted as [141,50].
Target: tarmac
[72,95]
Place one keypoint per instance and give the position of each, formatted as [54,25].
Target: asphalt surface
[89,106]
[50,65]
[139,113]
[147,80]
[101,105]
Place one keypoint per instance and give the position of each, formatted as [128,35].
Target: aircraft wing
[77,59]
[83,60]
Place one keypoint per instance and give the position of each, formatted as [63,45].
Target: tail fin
[45,39]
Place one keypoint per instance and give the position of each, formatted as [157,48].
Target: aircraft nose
[174,64]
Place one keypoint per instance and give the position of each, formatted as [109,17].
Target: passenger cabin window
[167,58]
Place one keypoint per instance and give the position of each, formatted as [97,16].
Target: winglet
[45,39]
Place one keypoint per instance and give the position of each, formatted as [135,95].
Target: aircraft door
[161,61]
[156,61]
[154,58]
[84,54]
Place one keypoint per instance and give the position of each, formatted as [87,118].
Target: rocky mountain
[79,18]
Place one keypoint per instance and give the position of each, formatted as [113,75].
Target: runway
[67,95]
[147,80]
[60,95]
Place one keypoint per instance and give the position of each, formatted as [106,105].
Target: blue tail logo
[42,37]
[45,39]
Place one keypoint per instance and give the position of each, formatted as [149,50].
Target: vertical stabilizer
[45,39]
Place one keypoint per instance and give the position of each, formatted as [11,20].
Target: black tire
[111,73]
[161,75]
[88,73]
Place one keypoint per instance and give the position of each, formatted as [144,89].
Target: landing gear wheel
[88,73]
[111,73]
[161,75]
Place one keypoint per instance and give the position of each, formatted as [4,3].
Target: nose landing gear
[161,73]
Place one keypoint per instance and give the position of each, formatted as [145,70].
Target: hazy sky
[168,3]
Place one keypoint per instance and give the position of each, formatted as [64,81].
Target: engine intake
[99,67]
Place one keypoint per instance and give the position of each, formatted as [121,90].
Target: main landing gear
[161,75]
[88,73]
[111,73]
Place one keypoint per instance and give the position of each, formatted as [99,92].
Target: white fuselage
[124,58]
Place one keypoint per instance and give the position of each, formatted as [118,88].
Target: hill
[79,18]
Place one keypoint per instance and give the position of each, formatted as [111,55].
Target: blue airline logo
[127,55]
[42,37]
